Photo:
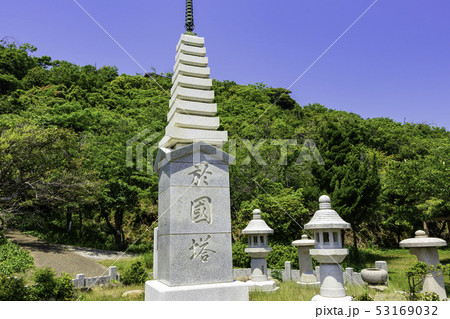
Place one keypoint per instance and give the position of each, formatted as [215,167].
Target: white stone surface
[231,291]
[176,135]
[189,70]
[191,82]
[195,122]
[383,265]
[191,116]
[328,299]
[192,95]
[262,286]
[329,256]
[191,60]
[181,262]
[422,240]
[180,204]
[155,253]
[374,276]
[194,227]
[331,281]
[188,49]
[193,108]
[190,40]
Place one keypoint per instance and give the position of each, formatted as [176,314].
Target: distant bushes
[13,259]
[46,286]
[280,254]
[240,258]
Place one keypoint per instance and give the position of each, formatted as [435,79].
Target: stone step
[190,40]
[191,60]
[189,70]
[190,50]
[191,95]
[175,135]
[195,122]
[194,108]
[191,82]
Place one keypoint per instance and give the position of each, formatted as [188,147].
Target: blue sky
[394,62]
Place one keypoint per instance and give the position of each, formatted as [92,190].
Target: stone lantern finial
[324,202]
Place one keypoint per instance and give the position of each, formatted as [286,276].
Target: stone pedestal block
[231,291]
[332,281]
[193,239]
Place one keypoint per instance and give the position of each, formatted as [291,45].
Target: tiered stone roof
[192,111]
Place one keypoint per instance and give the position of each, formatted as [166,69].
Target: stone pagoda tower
[193,240]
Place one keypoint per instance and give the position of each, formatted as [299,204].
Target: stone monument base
[230,291]
[263,286]
[320,298]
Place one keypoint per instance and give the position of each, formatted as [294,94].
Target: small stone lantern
[258,249]
[425,248]
[307,276]
[327,226]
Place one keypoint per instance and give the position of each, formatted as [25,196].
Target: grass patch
[399,260]
[110,293]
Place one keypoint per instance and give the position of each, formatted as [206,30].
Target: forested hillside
[63,170]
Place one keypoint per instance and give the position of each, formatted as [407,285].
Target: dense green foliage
[63,168]
[47,286]
[134,274]
[13,289]
[13,259]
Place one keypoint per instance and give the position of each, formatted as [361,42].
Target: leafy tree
[356,194]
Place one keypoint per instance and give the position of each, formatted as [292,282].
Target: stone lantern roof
[422,240]
[326,218]
[304,242]
[257,225]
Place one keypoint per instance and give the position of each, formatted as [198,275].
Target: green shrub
[45,284]
[365,296]
[240,258]
[13,289]
[147,259]
[64,288]
[280,254]
[277,274]
[134,274]
[415,275]
[3,239]
[13,259]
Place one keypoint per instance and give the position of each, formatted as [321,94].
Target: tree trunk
[355,245]
[116,230]
[68,219]
[80,214]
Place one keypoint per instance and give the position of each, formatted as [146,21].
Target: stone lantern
[307,276]
[425,248]
[327,226]
[258,249]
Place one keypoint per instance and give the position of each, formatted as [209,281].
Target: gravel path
[63,258]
